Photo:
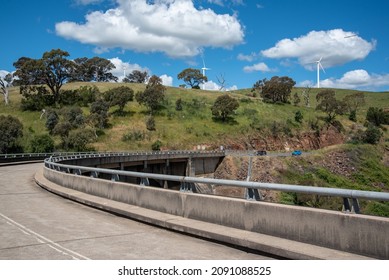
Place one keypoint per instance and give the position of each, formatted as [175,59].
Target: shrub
[11,130]
[372,135]
[179,104]
[156,146]
[224,106]
[150,123]
[136,135]
[78,140]
[42,144]
[51,121]
[36,98]
[119,96]
[298,116]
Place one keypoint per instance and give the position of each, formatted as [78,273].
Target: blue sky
[241,41]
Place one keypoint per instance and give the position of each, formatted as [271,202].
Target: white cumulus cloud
[358,79]
[167,80]
[336,47]
[262,67]
[122,68]
[174,27]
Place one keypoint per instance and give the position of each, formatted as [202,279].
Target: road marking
[45,240]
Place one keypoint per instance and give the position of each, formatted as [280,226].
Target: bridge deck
[35,224]
[254,241]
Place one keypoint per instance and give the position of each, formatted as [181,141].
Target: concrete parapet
[354,233]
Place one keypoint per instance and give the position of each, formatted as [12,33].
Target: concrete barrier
[359,234]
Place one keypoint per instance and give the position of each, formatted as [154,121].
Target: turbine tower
[204,69]
[318,62]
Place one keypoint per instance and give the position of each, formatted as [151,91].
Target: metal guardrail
[350,197]
[58,156]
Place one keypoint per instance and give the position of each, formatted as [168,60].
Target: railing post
[352,207]
[115,178]
[144,182]
[251,194]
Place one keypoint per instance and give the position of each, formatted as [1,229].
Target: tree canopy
[94,69]
[119,96]
[153,95]
[328,103]
[53,70]
[192,77]
[224,106]
[136,76]
[275,90]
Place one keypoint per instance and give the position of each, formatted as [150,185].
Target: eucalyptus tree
[52,70]
[192,77]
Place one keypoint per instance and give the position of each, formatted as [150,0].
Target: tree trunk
[6,96]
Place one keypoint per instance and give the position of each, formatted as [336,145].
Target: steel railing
[350,197]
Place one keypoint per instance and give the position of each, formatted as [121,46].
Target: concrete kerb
[253,241]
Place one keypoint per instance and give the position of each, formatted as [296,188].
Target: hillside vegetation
[255,124]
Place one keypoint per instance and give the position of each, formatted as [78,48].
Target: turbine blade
[321,66]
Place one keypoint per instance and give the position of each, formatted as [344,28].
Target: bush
[42,144]
[298,116]
[179,104]
[51,121]
[372,135]
[135,135]
[11,130]
[156,146]
[88,94]
[119,96]
[78,140]
[224,106]
[377,116]
[99,114]
[353,116]
[74,116]
[150,123]
[36,98]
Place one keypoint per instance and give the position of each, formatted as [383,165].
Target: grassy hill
[194,124]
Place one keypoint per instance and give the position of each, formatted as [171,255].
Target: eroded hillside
[347,166]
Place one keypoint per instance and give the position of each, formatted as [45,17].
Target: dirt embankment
[264,169]
[304,141]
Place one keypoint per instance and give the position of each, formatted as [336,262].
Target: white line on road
[45,240]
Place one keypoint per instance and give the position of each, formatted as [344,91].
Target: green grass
[370,174]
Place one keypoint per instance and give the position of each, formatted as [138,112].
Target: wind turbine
[204,69]
[318,62]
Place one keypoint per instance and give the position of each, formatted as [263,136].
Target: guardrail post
[115,178]
[94,174]
[251,194]
[187,187]
[352,207]
[144,182]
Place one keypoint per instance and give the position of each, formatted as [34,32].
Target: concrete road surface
[36,224]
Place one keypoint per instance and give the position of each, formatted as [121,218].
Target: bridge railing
[59,156]
[350,197]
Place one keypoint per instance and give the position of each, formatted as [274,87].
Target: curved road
[36,224]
